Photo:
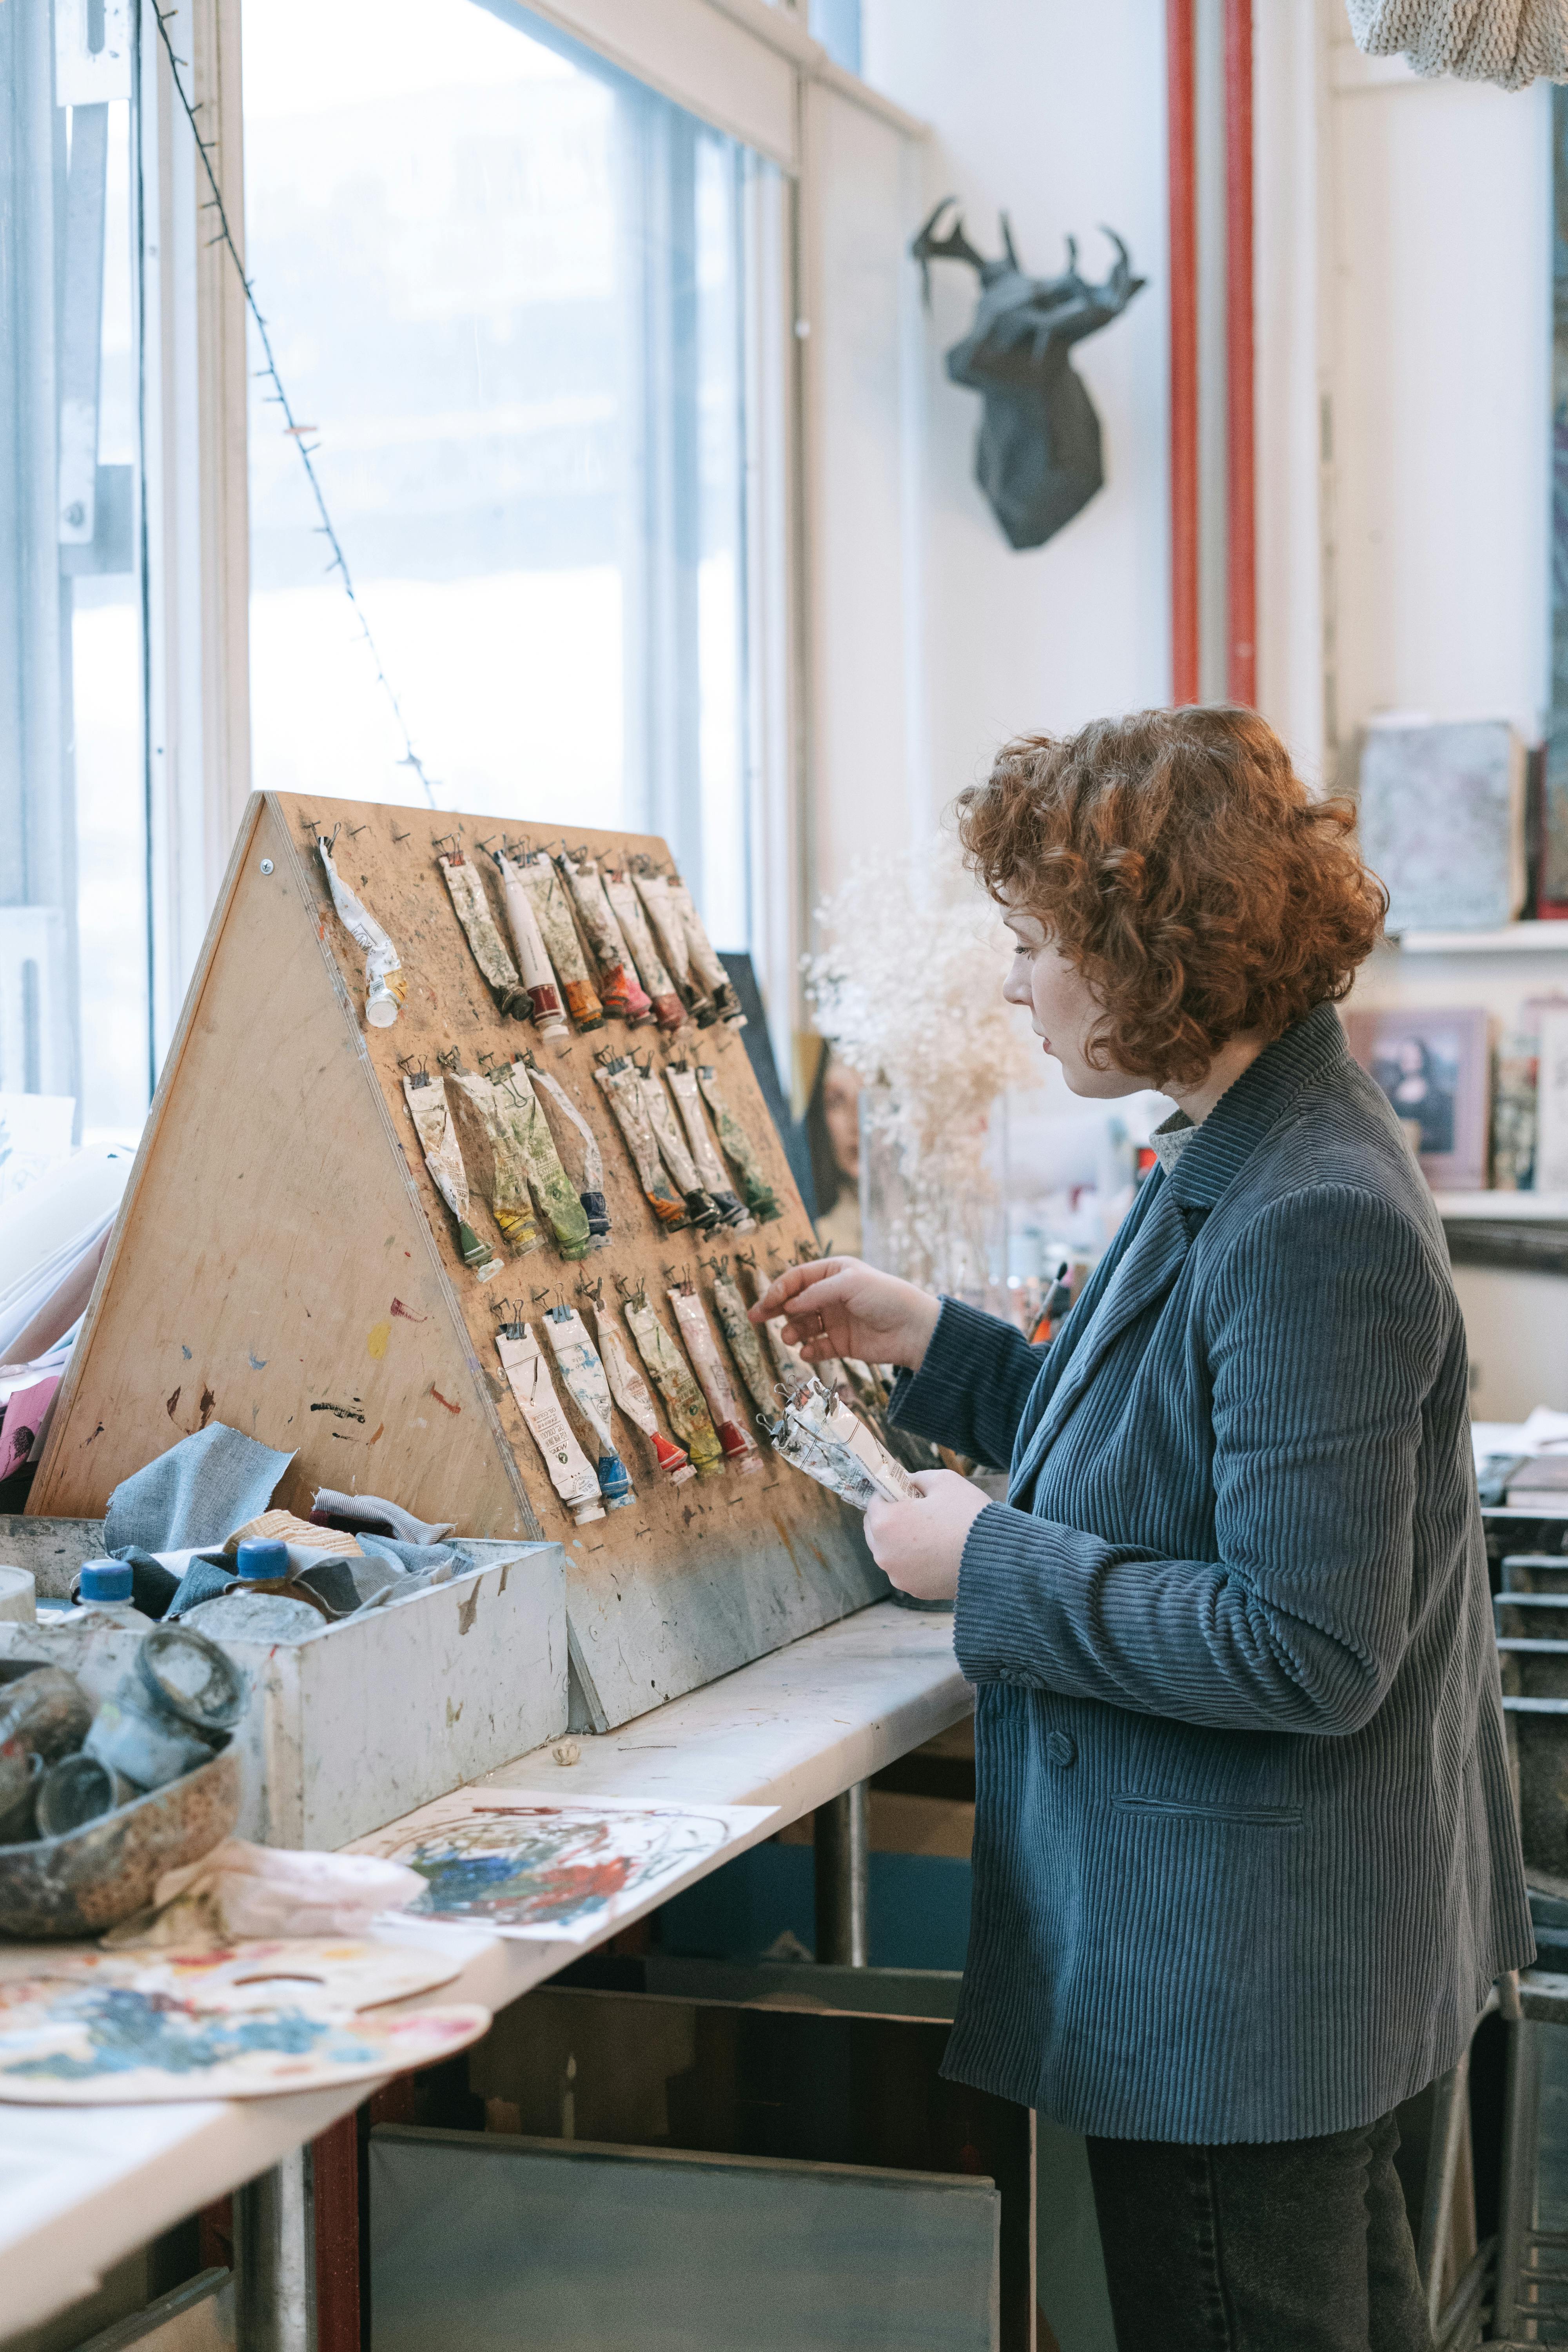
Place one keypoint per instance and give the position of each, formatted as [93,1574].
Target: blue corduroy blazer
[1245,1859]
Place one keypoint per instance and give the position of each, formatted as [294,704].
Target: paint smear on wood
[378,1340]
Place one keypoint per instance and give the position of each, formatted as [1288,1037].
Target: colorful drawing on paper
[520,1865]
[67,2042]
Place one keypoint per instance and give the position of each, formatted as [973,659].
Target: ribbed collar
[1220,1147]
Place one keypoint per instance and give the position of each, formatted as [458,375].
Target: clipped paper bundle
[820,1435]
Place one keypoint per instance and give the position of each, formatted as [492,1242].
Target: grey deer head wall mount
[1038,457]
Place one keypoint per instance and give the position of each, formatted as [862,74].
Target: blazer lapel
[1153,1260]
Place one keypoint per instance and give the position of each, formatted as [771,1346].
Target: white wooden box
[379,1714]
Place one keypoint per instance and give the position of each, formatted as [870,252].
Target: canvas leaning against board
[365,1225]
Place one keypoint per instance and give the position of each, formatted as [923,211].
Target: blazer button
[1062,1749]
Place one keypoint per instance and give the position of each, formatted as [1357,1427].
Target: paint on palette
[521,1865]
[65,2042]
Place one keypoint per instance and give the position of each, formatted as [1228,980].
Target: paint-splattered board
[283,1262]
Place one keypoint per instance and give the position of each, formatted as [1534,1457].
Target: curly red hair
[1180,863]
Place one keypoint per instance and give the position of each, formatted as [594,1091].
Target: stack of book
[1541,1484]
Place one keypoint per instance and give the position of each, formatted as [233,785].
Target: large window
[506,289]
[73,766]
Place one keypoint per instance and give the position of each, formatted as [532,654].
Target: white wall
[1057,114]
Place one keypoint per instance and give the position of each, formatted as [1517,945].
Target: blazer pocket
[1262,1817]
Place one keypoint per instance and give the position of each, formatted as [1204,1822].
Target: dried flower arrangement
[911,994]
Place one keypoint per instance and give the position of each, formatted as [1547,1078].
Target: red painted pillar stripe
[1241,653]
[1182,155]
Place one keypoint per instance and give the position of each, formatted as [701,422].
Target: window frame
[747,68]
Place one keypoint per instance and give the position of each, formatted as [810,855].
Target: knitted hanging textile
[1512,42]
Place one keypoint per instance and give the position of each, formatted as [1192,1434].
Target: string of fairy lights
[293,429]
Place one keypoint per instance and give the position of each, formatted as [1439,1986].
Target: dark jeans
[1298,2246]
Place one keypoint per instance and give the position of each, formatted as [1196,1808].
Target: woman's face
[841,1116]
[1062,1008]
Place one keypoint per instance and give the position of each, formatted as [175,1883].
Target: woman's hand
[918,1546]
[840,1306]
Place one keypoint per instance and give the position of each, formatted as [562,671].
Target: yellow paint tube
[495,1152]
[689,1415]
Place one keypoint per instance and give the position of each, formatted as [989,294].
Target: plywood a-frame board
[283,1262]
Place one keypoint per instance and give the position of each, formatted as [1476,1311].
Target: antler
[928,246]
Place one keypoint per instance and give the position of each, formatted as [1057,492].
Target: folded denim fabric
[197,1493]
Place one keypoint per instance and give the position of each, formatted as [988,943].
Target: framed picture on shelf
[1434,1066]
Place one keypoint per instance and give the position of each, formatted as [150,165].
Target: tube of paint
[585,1147]
[588,1387]
[621,1083]
[667,1008]
[619,990]
[792,1369]
[689,1415]
[538,978]
[738,1149]
[738,1329]
[710,1168]
[499,1156]
[438,1133]
[467,889]
[827,1419]
[384,982]
[705,960]
[528,1376]
[552,907]
[632,1394]
[670,932]
[739,1446]
[832,1470]
[701,1206]
[548,1180]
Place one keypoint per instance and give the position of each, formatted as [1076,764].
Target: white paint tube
[701,1206]
[829,1421]
[621,1082]
[831,1469]
[473,912]
[620,991]
[588,1387]
[554,909]
[711,1169]
[538,978]
[667,1008]
[528,1376]
[385,985]
[504,1170]
[738,1331]
[739,1446]
[591,1167]
[670,932]
[438,1133]
[705,961]
[632,1396]
[689,1415]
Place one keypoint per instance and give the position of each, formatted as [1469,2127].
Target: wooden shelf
[1514,939]
[1514,1208]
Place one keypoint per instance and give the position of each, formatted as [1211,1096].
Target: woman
[1244,1855]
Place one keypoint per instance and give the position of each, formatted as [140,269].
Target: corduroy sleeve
[1325,1326]
[971,1391]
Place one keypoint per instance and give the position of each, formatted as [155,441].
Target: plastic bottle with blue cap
[103,1587]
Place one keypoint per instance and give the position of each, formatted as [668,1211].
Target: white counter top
[83,2186]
